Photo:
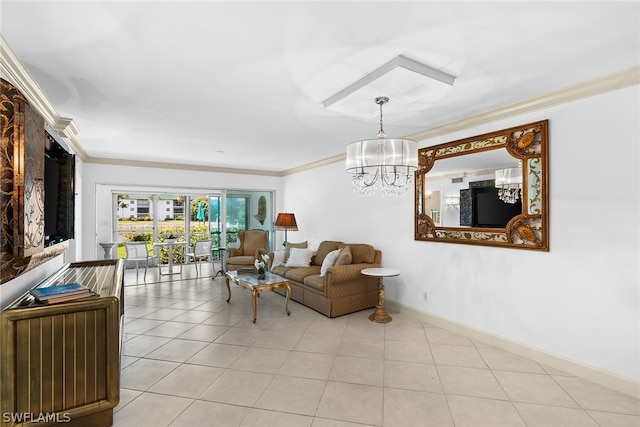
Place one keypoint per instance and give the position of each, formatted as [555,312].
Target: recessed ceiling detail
[413,85]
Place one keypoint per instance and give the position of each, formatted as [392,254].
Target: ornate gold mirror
[490,190]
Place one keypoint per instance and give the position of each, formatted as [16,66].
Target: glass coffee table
[250,281]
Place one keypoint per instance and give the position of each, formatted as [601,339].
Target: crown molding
[608,83]
[179,166]
[11,66]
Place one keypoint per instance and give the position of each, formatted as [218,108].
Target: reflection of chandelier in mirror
[452,201]
[387,162]
[509,184]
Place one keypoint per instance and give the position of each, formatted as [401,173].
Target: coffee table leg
[226,280]
[254,296]
[286,301]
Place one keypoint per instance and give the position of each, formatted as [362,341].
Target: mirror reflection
[489,189]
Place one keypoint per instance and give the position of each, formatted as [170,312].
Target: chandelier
[509,184]
[384,163]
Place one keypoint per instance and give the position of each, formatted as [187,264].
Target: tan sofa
[343,289]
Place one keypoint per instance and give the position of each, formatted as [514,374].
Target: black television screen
[491,212]
[59,197]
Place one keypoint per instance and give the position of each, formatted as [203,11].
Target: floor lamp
[286,222]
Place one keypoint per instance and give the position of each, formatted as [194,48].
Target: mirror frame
[530,230]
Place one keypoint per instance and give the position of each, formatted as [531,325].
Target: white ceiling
[242,84]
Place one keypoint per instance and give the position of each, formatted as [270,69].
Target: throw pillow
[289,246]
[299,258]
[344,257]
[328,261]
[278,258]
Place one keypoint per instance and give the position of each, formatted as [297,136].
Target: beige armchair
[253,243]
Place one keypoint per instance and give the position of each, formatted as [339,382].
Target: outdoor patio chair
[138,252]
[201,251]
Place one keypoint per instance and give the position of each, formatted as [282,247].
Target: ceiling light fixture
[387,162]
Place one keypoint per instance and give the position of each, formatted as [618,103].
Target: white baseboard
[590,373]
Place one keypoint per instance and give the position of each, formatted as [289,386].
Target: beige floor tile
[419,352]
[437,335]
[214,306]
[278,339]
[617,420]
[533,388]
[325,422]
[403,408]
[262,418]
[359,347]
[352,402]
[151,410]
[358,370]
[135,312]
[162,302]
[220,355]
[473,382]
[187,381]
[193,316]
[364,329]
[126,396]
[308,365]
[165,314]
[292,394]
[328,344]
[411,376]
[237,388]
[505,361]
[239,336]
[127,360]
[142,345]
[224,318]
[186,304]
[326,326]
[207,333]
[598,398]
[261,360]
[140,326]
[397,332]
[202,413]
[177,350]
[457,355]
[144,373]
[294,325]
[169,329]
[553,416]
[477,412]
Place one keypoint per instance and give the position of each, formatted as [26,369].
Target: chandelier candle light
[509,184]
[384,163]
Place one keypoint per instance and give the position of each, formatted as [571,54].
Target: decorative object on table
[384,163]
[261,266]
[262,210]
[286,222]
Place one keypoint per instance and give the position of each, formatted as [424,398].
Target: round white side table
[380,315]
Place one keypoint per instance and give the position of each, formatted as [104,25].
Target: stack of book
[61,293]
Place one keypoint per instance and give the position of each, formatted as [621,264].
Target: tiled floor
[192,359]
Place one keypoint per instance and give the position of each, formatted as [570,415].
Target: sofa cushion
[361,253]
[299,258]
[315,281]
[344,256]
[278,258]
[329,260]
[287,250]
[280,270]
[299,274]
[324,248]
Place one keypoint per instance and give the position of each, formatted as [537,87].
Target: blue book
[59,291]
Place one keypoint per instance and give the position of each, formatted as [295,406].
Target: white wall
[579,301]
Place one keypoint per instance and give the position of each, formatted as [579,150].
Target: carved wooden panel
[21,183]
